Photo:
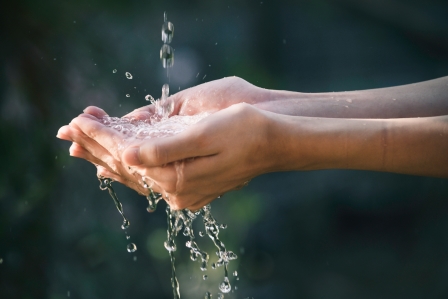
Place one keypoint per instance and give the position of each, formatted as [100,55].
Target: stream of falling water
[162,125]
[178,220]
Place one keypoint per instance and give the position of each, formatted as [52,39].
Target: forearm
[410,146]
[429,98]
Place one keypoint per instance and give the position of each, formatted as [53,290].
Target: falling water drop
[235,273]
[167,56]
[167,32]
[125,224]
[208,295]
[204,277]
[223,226]
[220,296]
[225,286]
[128,75]
[131,247]
[128,237]
[128,95]
[114,71]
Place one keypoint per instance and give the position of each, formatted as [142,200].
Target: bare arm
[409,145]
[428,98]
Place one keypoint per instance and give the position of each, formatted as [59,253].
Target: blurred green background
[323,234]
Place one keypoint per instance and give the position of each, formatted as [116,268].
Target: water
[167,56]
[167,52]
[149,98]
[106,184]
[114,71]
[167,32]
[131,247]
[162,125]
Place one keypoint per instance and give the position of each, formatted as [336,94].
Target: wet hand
[220,153]
[210,97]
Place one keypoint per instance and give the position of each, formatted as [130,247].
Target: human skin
[230,147]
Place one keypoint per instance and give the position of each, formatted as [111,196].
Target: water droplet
[128,237]
[149,98]
[208,295]
[131,247]
[201,234]
[167,32]
[125,224]
[204,277]
[128,95]
[135,259]
[235,273]
[223,226]
[236,288]
[165,91]
[128,75]
[213,266]
[225,286]
[167,56]
[114,71]
[220,296]
[237,278]
[68,293]
[1,261]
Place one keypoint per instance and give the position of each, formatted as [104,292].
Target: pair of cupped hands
[222,152]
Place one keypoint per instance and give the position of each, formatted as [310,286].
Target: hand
[218,154]
[191,168]
[106,159]
[210,97]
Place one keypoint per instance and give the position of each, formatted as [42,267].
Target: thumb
[164,150]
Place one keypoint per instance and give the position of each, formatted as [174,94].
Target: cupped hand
[210,97]
[220,153]
[99,145]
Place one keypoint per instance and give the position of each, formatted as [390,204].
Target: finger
[64,133]
[104,136]
[95,111]
[149,110]
[104,172]
[78,151]
[161,151]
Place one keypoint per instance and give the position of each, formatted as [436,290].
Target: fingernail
[131,156]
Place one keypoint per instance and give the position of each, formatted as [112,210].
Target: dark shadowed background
[322,234]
